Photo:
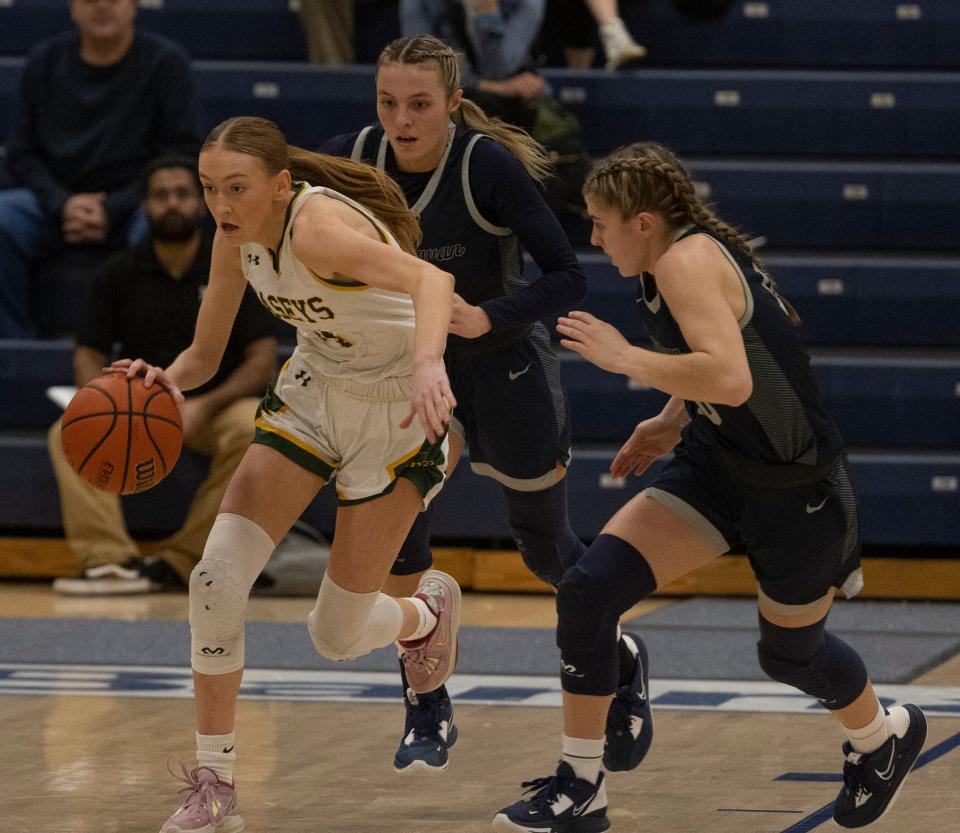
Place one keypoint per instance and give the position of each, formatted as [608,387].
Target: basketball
[120,436]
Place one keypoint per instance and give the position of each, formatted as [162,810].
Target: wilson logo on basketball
[144,473]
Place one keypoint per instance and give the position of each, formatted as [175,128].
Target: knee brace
[345,625]
[415,554]
[542,531]
[236,551]
[609,578]
[812,660]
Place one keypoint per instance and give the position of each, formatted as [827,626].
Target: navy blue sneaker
[630,721]
[560,803]
[428,732]
[872,781]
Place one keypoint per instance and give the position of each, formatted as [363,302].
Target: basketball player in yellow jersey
[365,395]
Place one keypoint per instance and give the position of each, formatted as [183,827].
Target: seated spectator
[146,299]
[328,26]
[94,106]
[579,23]
[496,37]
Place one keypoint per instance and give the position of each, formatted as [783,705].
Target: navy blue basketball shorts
[512,412]
[801,540]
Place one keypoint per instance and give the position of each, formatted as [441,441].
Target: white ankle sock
[585,756]
[428,621]
[871,737]
[216,752]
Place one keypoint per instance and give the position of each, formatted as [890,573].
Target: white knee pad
[236,551]
[345,625]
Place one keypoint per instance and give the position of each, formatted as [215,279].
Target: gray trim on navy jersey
[747,294]
[357,153]
[428,192]
[775,405]
[486,225]
[382,152]
[688,513]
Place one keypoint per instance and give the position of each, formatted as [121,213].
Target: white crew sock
[216,752]
[871,737]
[585,756]
[428,620]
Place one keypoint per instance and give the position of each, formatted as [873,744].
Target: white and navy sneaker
[561,803]
[872,781]
[630,721]
[429,731]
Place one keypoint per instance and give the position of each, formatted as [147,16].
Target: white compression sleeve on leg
[236,551]
[345,625]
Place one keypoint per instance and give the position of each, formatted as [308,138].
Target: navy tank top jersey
[782,435]
[486,259]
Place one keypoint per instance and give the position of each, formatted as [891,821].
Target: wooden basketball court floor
[75,763]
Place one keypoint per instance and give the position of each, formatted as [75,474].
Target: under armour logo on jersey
[254,259]
[302,378]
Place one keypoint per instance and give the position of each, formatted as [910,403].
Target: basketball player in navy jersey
[758,463]
[472,182]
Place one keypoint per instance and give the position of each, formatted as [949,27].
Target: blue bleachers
[843,299]
[837,205]
[848,33]
[715,112]
[878,400]
[781,112]
[906,498]
[853,33]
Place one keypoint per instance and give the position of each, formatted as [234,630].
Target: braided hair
[421,49]
[646,176]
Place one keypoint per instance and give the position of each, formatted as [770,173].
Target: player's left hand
[468,320]
[595,340]
[432,400]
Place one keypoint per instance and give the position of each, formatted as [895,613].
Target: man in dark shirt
[147,300]
[94,106]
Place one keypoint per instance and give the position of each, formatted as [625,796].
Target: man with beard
[146,300]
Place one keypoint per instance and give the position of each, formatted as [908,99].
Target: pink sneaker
[211,806]
[430,661]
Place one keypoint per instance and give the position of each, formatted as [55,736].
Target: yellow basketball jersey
[351,331]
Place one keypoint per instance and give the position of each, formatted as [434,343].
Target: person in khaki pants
[146,299]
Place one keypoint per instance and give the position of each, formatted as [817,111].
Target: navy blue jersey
[782,435]
[479,209]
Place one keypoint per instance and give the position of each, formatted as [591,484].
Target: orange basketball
[120,436]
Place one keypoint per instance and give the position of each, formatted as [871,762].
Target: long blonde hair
[372,188]
[420,49]
[646,176]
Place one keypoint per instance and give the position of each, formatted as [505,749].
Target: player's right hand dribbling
[151,373]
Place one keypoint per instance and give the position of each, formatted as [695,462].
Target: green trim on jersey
[275,255]
[271,438]
[421,467]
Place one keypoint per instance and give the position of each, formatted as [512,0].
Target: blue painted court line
[735,810]
[809,776]
[818,817]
